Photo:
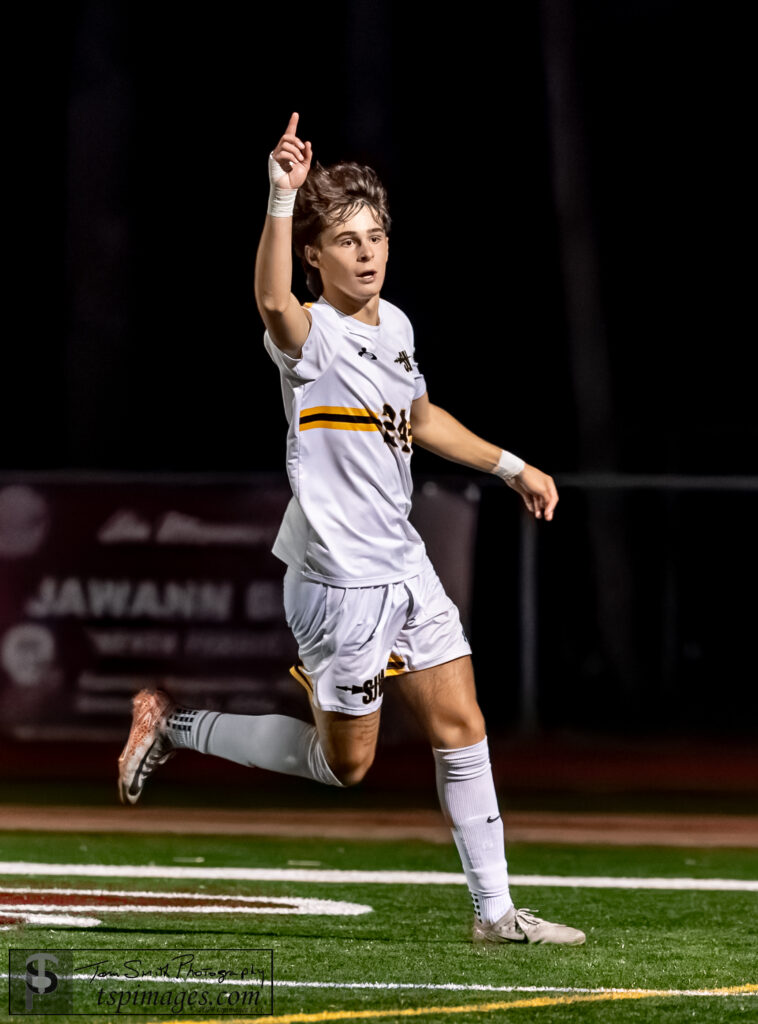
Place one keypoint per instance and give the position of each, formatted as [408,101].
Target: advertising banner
[107,586]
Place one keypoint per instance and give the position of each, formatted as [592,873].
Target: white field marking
[213,903]
[413,986]
[370,877]
[452,987]
[610,882]
[304,907]
[49,920]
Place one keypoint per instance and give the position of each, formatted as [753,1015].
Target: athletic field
[184,927]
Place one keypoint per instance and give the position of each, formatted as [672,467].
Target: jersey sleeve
[317,353]
[419,381]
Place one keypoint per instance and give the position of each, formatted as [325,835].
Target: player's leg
[440,691]
[337,751]
[160,728]
[341,637]
[443,701]
[348,743]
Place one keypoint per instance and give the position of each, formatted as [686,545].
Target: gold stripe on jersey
[338,417]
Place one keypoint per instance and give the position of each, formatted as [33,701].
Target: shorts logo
[371,689]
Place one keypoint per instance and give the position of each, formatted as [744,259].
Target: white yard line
[451,987]
[393,986]
[29,869]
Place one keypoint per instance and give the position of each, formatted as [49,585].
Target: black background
[137,140]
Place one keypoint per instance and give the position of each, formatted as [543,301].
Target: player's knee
[453,731]
[350,769]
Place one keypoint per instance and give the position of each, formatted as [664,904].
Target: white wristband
[281,201]
[509,465]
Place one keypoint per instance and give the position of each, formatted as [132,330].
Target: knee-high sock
[469,803]
[274,742]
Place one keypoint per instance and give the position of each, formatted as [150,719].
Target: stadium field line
[514,1004]
[410,986]
[15,899]
[31,869]
[534,989]
[9,921]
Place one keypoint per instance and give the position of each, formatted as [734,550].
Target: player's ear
[311,255]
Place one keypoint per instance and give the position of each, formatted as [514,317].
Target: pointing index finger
[292,126]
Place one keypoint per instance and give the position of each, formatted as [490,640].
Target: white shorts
[350,639]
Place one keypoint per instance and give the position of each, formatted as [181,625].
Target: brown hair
[331,195]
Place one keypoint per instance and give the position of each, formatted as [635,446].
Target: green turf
[419,934]
[260,851]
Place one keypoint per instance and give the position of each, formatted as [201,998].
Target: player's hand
[538,491]
[293,156]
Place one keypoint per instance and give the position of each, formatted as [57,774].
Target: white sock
[274,742]
[469,803]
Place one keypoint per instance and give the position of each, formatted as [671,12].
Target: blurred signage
[109,586]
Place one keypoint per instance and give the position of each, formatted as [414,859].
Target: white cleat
[147,746]
[523,926]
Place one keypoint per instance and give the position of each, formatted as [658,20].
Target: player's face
[352,258]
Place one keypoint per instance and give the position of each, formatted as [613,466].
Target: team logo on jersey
[404,360]
[365,352]
[371,689]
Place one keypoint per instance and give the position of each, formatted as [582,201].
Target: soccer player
[360,593]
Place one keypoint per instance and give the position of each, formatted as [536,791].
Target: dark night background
[570,198]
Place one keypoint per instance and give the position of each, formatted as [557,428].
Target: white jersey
[348,402]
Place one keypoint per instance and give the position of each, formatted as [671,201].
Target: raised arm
[285,319]
[441,433]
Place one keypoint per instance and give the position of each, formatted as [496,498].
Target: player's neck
[365,311]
